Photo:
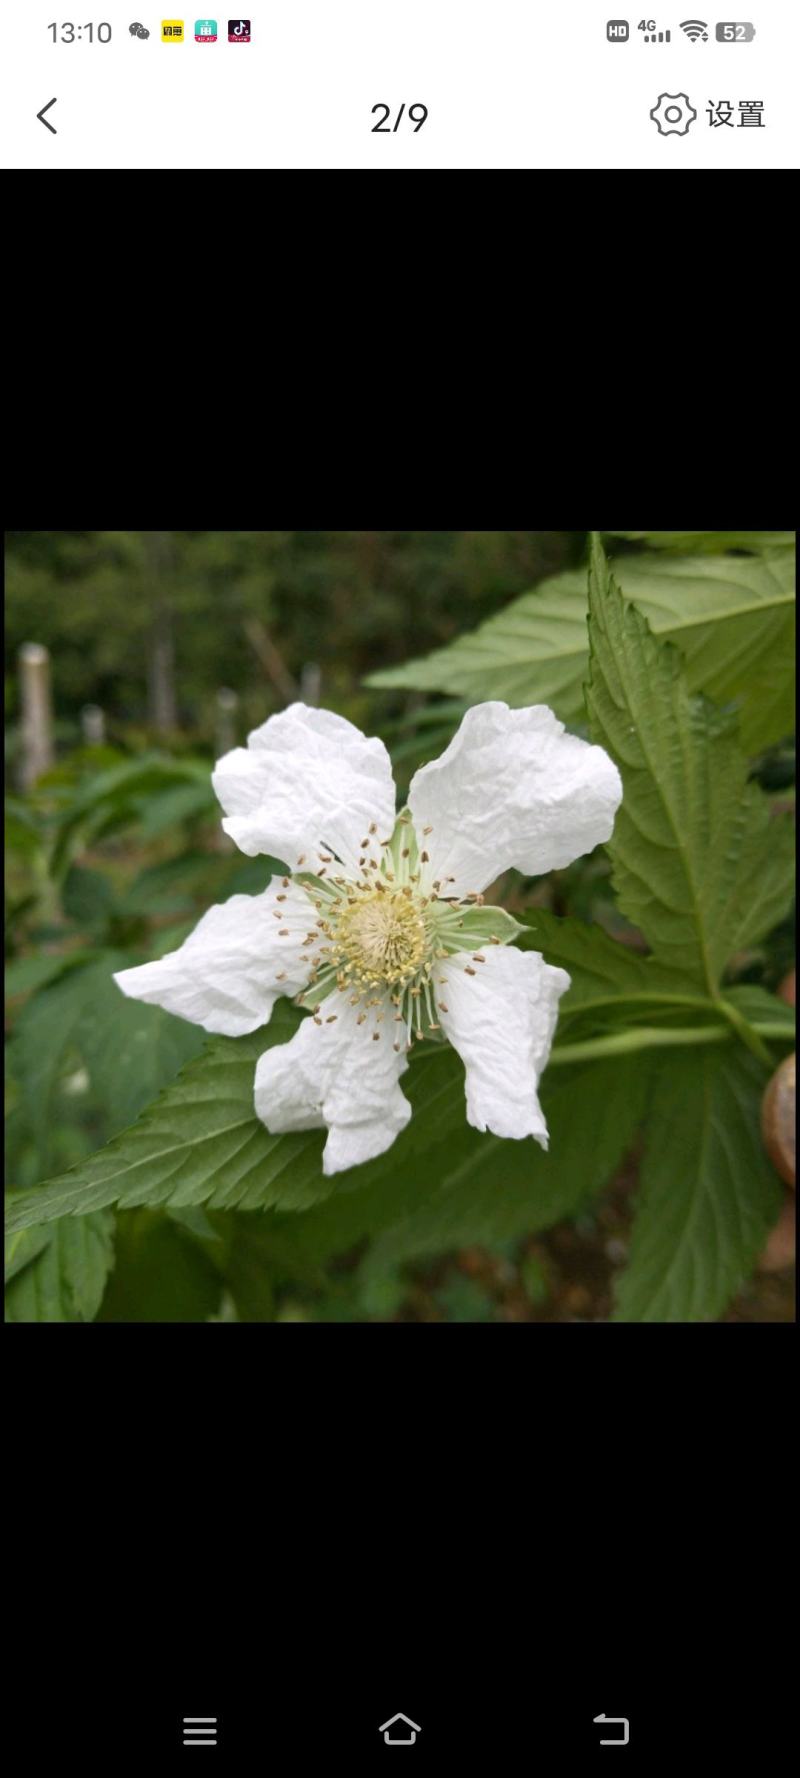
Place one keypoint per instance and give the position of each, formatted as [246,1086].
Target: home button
[396,1733]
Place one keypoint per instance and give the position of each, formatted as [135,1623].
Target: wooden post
[310,683]
[93,725]
[227,706]
[161,654]
[36,754]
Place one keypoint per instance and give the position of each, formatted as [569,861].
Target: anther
[284,933]
[376,1036]
[332,1020]
[469,971]
[424,859]
[302,858]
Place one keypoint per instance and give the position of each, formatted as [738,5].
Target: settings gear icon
[673,115]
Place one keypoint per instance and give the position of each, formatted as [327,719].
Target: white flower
[378,926]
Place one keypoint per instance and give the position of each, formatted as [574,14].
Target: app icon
[172,30]
[205,30]
[138,31]
[238,30]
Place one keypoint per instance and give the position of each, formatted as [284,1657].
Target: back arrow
[625,1727]
[43,119]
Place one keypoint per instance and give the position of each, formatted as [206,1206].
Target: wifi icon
[695,28]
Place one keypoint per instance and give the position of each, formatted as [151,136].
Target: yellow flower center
[380,937]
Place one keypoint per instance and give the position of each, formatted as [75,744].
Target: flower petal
[224,977]
[337,1074]
[501,1020]
[513,788]
[307,780]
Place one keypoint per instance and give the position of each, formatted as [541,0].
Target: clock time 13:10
[73,33]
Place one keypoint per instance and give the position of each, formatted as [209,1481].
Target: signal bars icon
[199,1731]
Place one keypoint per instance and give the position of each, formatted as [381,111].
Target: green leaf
[697,862]
[129,1049]
[201,1142]
[464,1186]
[711,541]
[495,1191]
[532,652]
[708,1192]
[608,978]
[64,1275]
[733,619]
[122,795]
[23,1247]
[761,1008]
[87,896]
[160,1273]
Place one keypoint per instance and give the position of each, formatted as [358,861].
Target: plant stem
[642,1038]
[745,1031]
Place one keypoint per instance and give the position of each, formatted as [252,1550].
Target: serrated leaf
[734,622]
[708,1192]
[532,652]
[733,619]
[697,862]
[201,1142]
[67,1274]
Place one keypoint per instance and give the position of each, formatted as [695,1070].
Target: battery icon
[735,33]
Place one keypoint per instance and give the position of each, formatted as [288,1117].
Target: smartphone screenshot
[388,84]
